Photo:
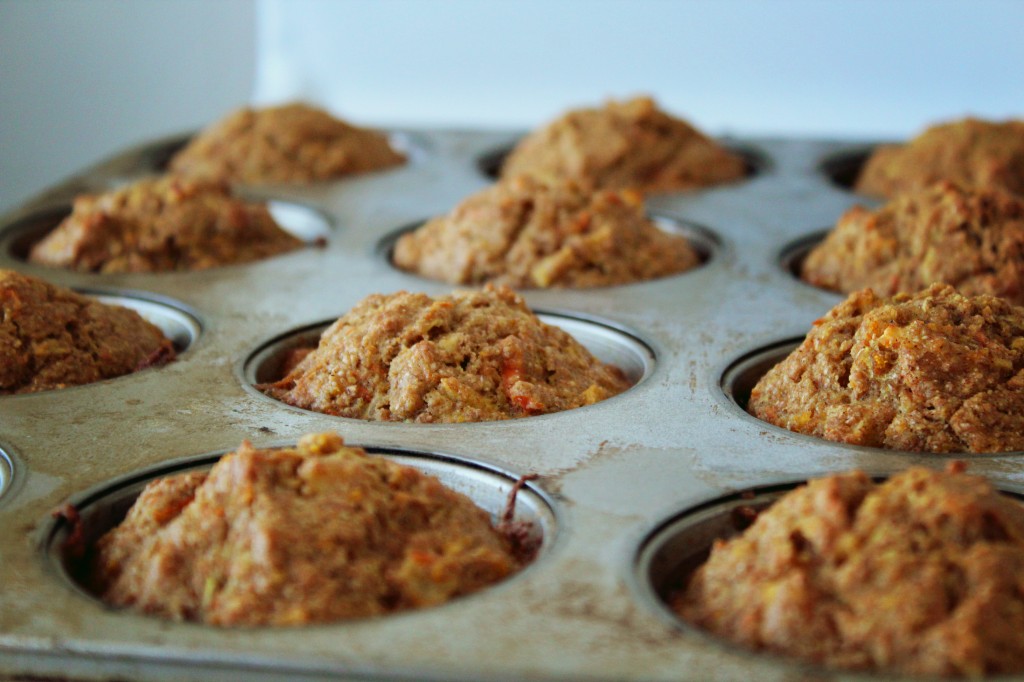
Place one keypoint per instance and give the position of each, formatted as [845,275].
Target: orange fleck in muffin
[922,574]
[936,371]
[631,144]
[971,238]
[526,234]
[52,337]
[470,356]
[289,144]
[968,152]
[164,224]
[311,534]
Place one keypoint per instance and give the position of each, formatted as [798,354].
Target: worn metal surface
[613,472]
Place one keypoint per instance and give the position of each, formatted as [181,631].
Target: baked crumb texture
[936,371]
[922,574]
[164,224]
[290,144]
[52,337]
[315,533]
[969,152]
[527,234]
[971,238]
[630,144]
[470,356]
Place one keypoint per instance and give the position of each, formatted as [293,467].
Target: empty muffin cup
[842,168]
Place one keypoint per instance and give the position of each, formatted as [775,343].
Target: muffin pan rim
[246,369]
[542,506]
[189,320]
[709,244]
[673,529]
[488,163]
[730,373]
[25,230]
[9,475]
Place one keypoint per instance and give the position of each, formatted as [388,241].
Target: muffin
[469,356]
[968,152]
[52,337]
[311,534]
[971,238]
[935,371]
[525,234]
[163,224]
[922,574]
[289,144]
[631,144]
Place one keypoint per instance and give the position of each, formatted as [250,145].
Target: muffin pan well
[100,509]
[305,222]
[705,242]
[611,476]
[604,340]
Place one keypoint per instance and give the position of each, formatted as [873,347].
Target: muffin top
[163,224]
[52,337]
[526,234]
[909,243]
[922,574]
[469,356]
[290,536]
[936,371]
[631,144]
[969,152]
[289,144]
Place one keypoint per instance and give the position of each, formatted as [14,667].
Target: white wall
[795,67]
[80,80]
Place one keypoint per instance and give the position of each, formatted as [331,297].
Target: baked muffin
[922,574]
[631,144]
[163,224]
[524,234]
[936,371]
[971,238]
[469,356]
[968,152]
[310,534]
[289,144]
[52,337]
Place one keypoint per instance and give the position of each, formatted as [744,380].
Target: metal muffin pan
[612,474]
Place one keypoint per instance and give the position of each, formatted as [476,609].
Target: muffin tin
[616,480]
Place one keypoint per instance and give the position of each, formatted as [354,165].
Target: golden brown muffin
[316,533]
[630,144]
[163,224]
[289,144]
[526,234]
[52,337]
[971,238]
[936,371]
[922,574]
[968,152]
[469,356]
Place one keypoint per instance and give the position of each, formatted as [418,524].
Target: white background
[80,80]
